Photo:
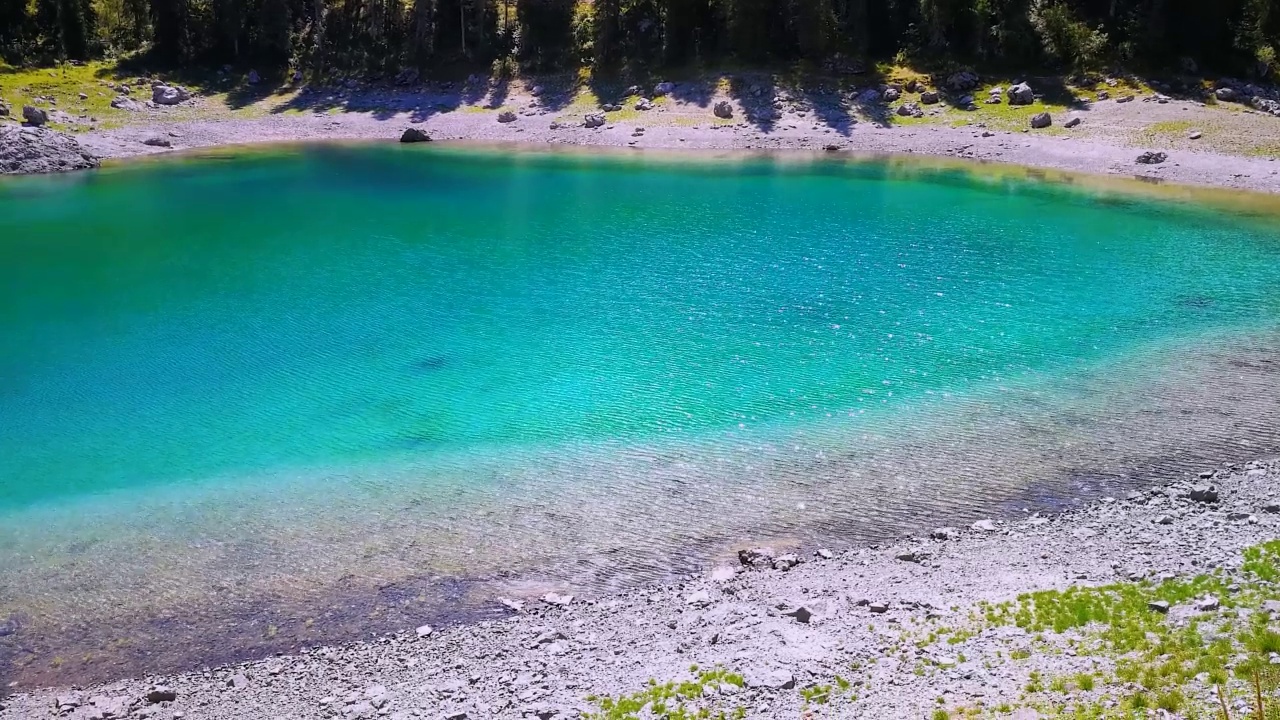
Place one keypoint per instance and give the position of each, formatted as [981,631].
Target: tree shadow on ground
[754,92]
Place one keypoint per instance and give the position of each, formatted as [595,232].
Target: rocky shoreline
[912,629]
[1188,137]
[31,150]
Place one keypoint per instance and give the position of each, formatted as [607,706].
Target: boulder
[40,150]
[407,76]
[757,557]
[162,142]
[120,102]
[161,693]
[1073,122]
[1020,94]
[253,78]
[1041,120]
[644,104]
[34,116]
[962,81]
[169,95]
[891,94]
[414,135]
[506,117]
[593,120]
[663,88]
[1199,493]
[1226,94]
[1152,157]
[4,109]
[929,97]
[723,110]
[910,109]
[914,86]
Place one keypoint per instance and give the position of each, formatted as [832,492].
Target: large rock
[1041,120]
[929,97]
[506,116]
[910,109]
[169,95]
[1020,94]
[962,81]
[4,109]
[414,135]
[723,110]
[1155,158]
[34,115]
[38,150]
[1226,94]
[594,120]
[663,88]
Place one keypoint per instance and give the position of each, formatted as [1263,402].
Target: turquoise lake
[244,385]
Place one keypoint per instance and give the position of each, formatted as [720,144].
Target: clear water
[262,376]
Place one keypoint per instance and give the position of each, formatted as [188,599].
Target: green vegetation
[674,701]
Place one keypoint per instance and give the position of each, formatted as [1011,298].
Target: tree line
[388,36]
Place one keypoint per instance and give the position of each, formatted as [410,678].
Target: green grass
[671,700]
[20,86]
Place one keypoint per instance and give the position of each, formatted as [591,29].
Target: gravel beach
[894,631]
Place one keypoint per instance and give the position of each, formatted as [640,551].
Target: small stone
[984,526]
[456,715]
[1040,121]
[161,693]
[238,681]
[158,142]
[824,553]
[878,608]
[1271,508]
[1073,122]
[801,614]
[1164,520]
[424,631]
[945,533]
[1159,606]
[701,597]
[723,110]
[786,562]
[1196,135]
[557,599]
[253,78]
[507,117]
[914,556]
[1209,604]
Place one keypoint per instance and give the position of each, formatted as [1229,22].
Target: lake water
[267,399]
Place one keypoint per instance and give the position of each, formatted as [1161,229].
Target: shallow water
[296,396]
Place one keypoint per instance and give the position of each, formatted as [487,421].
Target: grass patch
[675,701]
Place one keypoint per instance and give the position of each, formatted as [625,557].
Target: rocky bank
[934,626]
[34,150]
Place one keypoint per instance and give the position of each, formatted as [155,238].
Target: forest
[383,37]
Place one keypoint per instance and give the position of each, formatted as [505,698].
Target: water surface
[414,379]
